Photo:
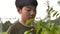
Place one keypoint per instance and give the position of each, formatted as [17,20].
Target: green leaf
[46,31]
[28,22]
[57,15]
[54,14]
[52,11]
[26,32]
[38,28]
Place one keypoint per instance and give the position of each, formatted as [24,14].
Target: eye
[34,10]
[28,10]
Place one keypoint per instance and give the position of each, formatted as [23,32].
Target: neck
[23,23]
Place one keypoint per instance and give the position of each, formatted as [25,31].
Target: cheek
[25,16]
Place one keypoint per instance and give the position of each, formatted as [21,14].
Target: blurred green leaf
[54,14]
[28,22]
[26,32]
[51,9]
[57,15]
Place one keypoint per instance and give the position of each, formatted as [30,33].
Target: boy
[27,10]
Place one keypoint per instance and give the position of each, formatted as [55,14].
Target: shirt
[18,28]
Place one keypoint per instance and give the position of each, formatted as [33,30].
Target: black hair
[21,3]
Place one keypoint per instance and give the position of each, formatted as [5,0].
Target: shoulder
[14,25]
[12,28]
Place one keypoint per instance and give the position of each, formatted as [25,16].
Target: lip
[31,17]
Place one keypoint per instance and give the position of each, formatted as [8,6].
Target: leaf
[46,31]
[26,32]
[29,31]
[54,14]
[38,28]
[28,22]
[52,11]
[57,15]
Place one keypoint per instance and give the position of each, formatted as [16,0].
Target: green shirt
[18,28]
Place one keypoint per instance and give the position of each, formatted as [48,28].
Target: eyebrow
[28,7]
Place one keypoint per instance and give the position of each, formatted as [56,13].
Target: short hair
[21,3]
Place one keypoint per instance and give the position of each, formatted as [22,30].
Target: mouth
[31,17]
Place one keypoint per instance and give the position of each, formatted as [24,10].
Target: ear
[19,10]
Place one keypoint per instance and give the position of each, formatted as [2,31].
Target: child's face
[27,12]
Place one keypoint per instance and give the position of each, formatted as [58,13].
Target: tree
[6,25]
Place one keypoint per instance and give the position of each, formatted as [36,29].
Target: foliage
[5,26]
[47,27]
[28,22]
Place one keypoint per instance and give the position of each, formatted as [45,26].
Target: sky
[8,9]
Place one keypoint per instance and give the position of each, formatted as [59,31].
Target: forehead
[30,7]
